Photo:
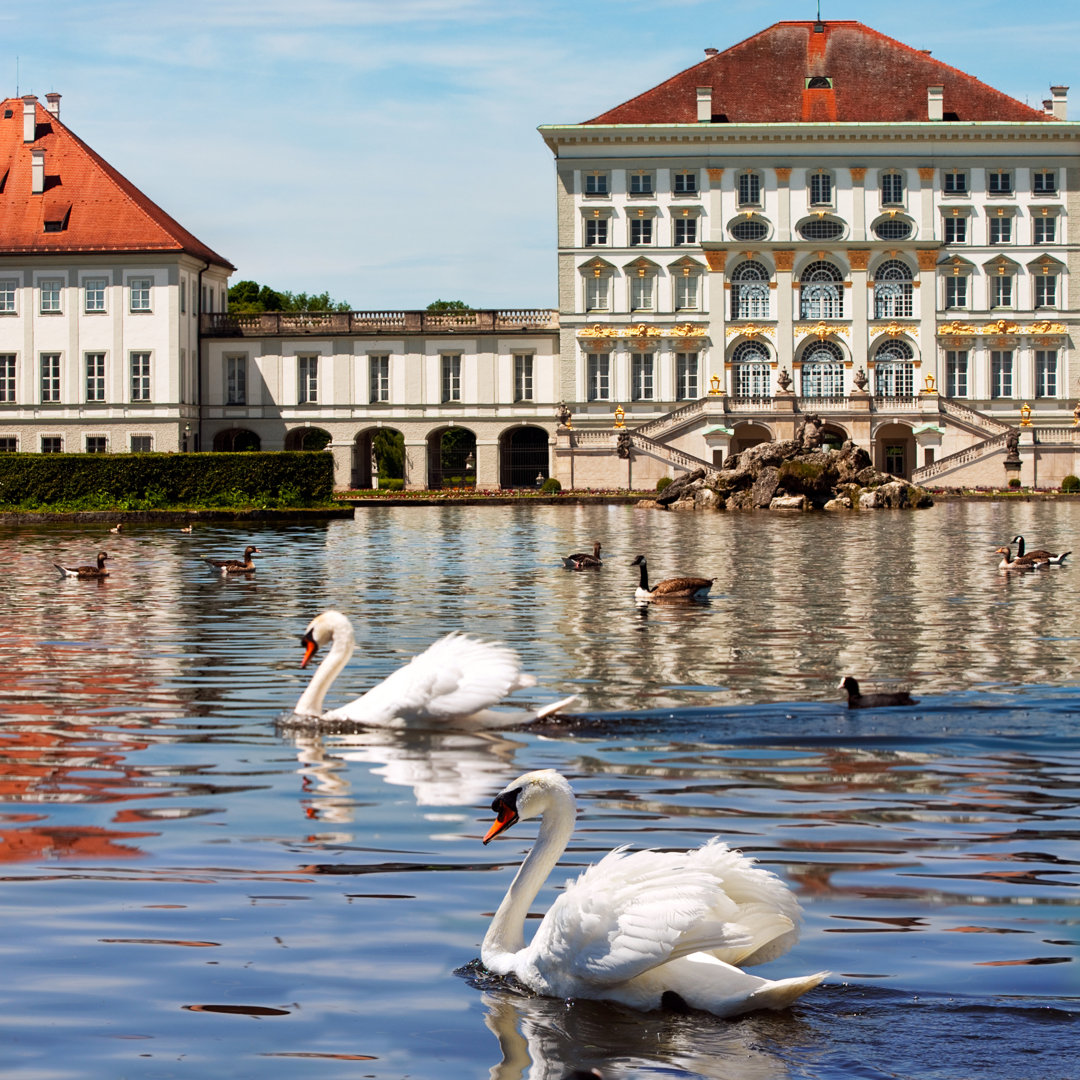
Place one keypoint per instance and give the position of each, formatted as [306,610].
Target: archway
[451,458]
[523,456]
[833,436]
[894,449]
[307,438]
[236,440]
[747,435]
[378,459]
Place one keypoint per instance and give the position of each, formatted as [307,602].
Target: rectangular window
[451,377]
[641,292]
[139,293]
[379,378]
[956,291]
[640,231]
[307,380]
[820,189]
[8,290]
[749,189]
[1001,230]
[598,376]
[236,380]
[1045,290]
[596,232]
[955,182]
[183,298]
[141,444]
[686,376]
[523,377]
[685,231]
[1044,230]
[140,376]
[50,377]
[956,229]
[1044,182]
[596,183]
[1046,377]
[9,445]
[1001,373]
[7,377]
[685,183]
[52,444]
[956,373]
[892,189]
[641,376]
[1001,291]
[51,292]
[596,292]
[194,298]
[999,182]
[95,376]
[96,444]
[94,295]
[686,292]
[641,183]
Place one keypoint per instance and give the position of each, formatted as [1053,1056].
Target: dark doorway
[451,458]
[523,456]
[236,440]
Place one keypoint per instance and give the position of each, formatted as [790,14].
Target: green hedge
[151,481]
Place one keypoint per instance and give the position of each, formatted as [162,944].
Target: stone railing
[972,417]
[652,428]
[822,404]
[961,457]
[277,323]
[669,453]
[1050,436]
[749,404]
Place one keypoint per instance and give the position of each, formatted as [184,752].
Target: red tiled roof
[104,212]
[762,80]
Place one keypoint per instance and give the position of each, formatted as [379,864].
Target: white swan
[452,684]
[645,928]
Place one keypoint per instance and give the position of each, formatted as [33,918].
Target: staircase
[995,432]
[679,458]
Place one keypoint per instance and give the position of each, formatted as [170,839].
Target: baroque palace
[818,221]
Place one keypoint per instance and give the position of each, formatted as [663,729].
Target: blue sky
[386,150]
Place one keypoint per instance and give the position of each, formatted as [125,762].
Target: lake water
[191,889]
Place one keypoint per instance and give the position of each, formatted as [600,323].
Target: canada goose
[1021,562]
[581,561]
[1040,554]
[679,588]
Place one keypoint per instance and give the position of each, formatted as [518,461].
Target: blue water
[191,887]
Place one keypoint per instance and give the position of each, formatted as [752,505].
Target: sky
[386,151]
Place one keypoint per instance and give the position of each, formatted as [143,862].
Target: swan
[452,684]
[1039,554]
[235,566]
[582,561]
[678,588]
[98,571]
[858,700]
[645,928]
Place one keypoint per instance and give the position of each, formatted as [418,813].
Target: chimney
[1060,102]
[1048,107]
[935,102]
[29,116]
[37,172]
[53,106]
[711,52]
[704,104]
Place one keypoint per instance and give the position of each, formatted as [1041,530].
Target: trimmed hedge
[149,481]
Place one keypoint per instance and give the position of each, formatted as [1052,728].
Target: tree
[448,305]
[248,297]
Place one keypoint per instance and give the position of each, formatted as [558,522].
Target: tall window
[451,377]
[956,291]
[142,444]
[1044,230]
[641,183]
[596,232]
[956,373]
[7,376]
[598,376]
[642,376]
[97,444]
[379,378]
[1045,290]
[686,376]
[641,291]
[51,293]
[307,379]
[999,182]
[892,290]
[139,293]
[235,380]
[823,371]
[685,231]
[1001,290]
[1001,229]
[8,290]
[523,377]
[750,291]
[821,188]
[95,376]
[596,183]
[821,295]
[892,188]
[750,369]
[641,231]
[955,182]
[94,295]
[1046,373]
[749,189]
[597,291]
[686,290]
[955,231]
[1001,373]
[140,376]
[1044,182]
[685,183]
[894,370]
[50,376]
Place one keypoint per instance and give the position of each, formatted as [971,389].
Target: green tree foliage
[441,306]
[249,297]
[389,447]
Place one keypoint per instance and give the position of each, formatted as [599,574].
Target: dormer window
[818,82]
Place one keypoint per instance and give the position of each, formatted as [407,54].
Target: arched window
[823,371]
[894,370]
[750,291]
[750,370]
[892,290]
[821,295]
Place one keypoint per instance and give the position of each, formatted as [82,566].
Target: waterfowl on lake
[679,588]
[452,684]
[643,928]
[98,571]
[185,528]
[858,700]
[1021,562]
[581,561]
[1041,554]
[235,566]
[118,528]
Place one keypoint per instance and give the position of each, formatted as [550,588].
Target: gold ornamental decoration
[643,330]
[895,329]
[598,330]
[1001,326]
[785,260]
[927,259]
[858,173]
[716,260]
[859,260]
[783,173]
[822,330]
[688,330]
[1044,326]
[751,330]
[956,327]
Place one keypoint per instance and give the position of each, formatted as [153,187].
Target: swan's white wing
[455,677]
[633,911]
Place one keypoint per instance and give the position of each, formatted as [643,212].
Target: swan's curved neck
[311,700]
[506,934]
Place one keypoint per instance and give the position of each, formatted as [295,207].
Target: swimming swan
[645,928]
[452,684]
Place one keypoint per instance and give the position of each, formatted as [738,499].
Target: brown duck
[98,571]
[235,566]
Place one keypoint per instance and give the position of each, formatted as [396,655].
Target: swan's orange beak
[311,647]
[507,815]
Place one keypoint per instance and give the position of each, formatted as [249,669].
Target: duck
[581,561]
[98,571]
[185,528]
[452,684]
[1021,562]
[117,528]
[1039,553]
[234,566]
[679,588]
[645,929]
[856,699]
